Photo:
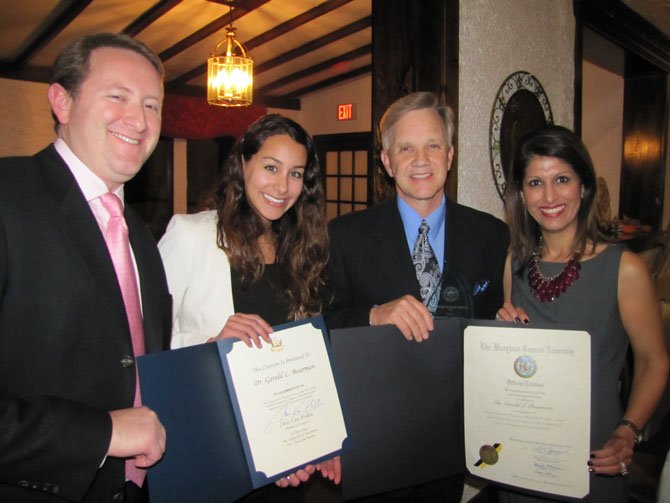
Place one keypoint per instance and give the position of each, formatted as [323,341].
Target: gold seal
[488,454]
[277,344]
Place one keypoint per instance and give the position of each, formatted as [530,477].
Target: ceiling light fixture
[230,76]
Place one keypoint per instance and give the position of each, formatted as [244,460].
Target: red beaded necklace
[548,289]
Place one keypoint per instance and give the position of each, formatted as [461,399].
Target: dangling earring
[582,192]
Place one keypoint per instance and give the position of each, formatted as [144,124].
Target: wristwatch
[637,432]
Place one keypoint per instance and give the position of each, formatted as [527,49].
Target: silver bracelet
[637,432]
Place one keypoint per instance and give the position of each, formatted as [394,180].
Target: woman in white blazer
[255,258]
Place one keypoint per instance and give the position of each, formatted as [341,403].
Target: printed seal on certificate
[525,366]
[277,344]
[488,454]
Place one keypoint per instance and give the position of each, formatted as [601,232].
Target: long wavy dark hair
[559,142]
[299,236]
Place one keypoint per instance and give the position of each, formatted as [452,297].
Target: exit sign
[345,112]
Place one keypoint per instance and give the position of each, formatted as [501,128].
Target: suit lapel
[461,236]
[75,218]
[393,256]
[143,258]
[454,233]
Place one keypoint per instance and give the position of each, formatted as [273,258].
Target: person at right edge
[416,256]
[560,270]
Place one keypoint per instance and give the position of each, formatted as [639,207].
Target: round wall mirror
[520,106]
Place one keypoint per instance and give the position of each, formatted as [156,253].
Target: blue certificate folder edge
[259,478]
[404,406]
[206,454]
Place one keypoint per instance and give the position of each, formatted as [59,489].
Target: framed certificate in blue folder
[238,418]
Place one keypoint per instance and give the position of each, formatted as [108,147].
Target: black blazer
[370,263]
[64,334]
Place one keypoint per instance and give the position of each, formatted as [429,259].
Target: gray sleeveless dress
[589,304]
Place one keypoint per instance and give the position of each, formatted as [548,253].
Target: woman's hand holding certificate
[287,404]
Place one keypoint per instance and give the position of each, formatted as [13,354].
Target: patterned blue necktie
[427,268]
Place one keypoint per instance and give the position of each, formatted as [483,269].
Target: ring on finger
[624,468]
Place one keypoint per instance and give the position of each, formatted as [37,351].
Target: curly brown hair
[300,236]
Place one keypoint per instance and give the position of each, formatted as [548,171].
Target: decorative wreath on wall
[520,106]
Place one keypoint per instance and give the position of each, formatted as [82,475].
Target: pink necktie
[116,236]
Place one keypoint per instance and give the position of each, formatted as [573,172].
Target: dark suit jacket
[370,263]
[63,334]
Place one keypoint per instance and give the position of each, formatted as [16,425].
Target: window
[346,166]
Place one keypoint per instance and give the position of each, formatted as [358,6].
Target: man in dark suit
[378,253]
[67,360]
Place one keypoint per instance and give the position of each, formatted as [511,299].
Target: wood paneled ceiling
[298,46]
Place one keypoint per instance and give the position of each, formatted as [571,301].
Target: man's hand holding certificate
[239,417]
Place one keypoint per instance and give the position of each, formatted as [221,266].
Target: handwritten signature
[550,451]
[547,469]
[293,413]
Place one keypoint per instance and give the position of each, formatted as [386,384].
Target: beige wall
[602,125]
[318,114]
[498,38]
[25,125]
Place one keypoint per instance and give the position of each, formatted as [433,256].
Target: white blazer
[198,274]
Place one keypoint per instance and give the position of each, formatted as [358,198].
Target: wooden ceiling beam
[317,43]
[294,23]
[50,31]
[307,72]
[149,16]
[210,29]
[363,23]
[264,38]
[59,20]
[329,82]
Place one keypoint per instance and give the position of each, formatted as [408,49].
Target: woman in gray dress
[560,270]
